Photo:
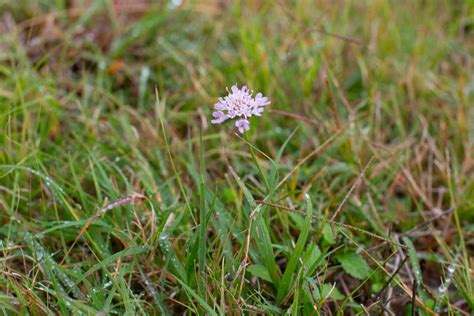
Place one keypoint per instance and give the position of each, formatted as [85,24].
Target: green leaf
[261,233]
[319,293]
[331,291]
[286,281]
[260,271]
[354,264]
[328,234]
[324,291]
[310,257]
[298,219]
[415,264]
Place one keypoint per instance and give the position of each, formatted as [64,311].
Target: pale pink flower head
[241,105]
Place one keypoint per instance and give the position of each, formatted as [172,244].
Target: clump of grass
[352,194]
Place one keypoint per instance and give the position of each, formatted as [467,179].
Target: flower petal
[242,125]
[261,101]
[257,111]
[220,117]
[219,106]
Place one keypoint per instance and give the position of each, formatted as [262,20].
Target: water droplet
[175,3]
[441,289]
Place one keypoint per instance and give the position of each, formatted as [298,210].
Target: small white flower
[242,125]
[239,103]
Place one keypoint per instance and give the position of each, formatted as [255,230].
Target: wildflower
[241,104]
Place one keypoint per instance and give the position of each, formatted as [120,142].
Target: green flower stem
[255,159]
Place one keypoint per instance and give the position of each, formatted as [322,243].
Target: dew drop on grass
[451,269]
[70,283]
[441,289]
[144,76]
[102,65]
[175,3]
[39,251]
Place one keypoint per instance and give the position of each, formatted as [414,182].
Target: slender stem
[255,159]
[202,220]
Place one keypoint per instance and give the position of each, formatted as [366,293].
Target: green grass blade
[286,280]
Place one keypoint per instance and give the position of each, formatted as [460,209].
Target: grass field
[352,194]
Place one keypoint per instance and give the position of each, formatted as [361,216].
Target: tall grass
[352,194]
